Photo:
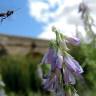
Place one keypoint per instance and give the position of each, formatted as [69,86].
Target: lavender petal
[68,77]
[73,40]
[59,61]
[72,64]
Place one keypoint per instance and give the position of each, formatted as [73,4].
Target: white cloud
[48,34]
[36,10]
[64,17]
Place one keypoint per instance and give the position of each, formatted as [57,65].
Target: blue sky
[36,17]
[20,23]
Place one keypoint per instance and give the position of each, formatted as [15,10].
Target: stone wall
[21,45]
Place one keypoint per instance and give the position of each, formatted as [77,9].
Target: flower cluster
[64,68]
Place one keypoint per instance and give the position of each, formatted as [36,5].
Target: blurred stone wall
[21,46]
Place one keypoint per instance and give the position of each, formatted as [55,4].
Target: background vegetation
[19,73]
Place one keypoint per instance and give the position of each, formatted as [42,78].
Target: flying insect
[4,15]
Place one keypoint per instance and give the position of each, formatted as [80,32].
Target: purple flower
[53,58]
[73,40]
[51,84]
[49,56]
[68,77]
[72,64]
[59,61]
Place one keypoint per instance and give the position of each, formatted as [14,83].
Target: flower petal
[59,61]
[73,40]
[49,56]
[72,64]
[53,58]
[68,77]
[44,60]
[50,85]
